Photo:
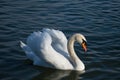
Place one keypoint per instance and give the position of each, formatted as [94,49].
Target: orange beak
[84,46]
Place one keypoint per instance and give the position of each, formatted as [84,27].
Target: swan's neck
[77,63]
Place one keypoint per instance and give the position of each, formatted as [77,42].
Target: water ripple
[98,20]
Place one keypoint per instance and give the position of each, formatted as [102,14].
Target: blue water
[98,20]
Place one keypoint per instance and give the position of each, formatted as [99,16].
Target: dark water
[98,20]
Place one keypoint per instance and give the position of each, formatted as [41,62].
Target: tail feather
[31,55]
[22,45]
[27,50]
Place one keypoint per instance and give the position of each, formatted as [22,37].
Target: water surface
[98,20]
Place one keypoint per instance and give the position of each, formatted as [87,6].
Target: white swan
[50,48]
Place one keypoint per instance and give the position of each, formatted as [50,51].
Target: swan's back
[38,40]
[59,40]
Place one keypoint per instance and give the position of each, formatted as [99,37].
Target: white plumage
[49,48]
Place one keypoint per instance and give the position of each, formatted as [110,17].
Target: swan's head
[82,40]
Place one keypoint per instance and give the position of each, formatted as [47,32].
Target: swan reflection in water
[52,74]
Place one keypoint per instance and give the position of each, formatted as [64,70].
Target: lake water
[98,20]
